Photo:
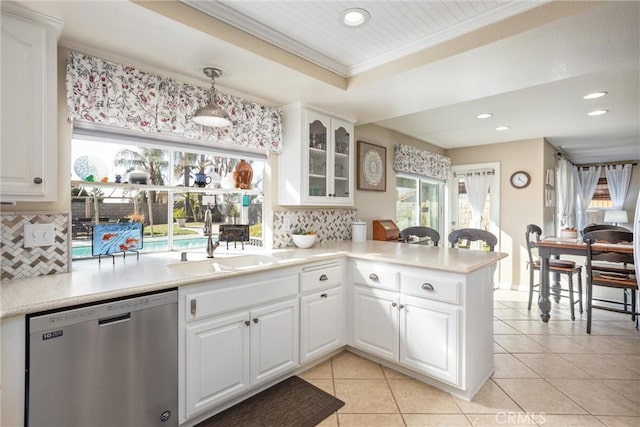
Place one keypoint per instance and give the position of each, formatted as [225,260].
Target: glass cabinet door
[341,162]
[318,158]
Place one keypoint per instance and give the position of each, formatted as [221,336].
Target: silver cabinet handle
[393,304]
[37,180]
[193,307]
[246,322]
[323,295]
[374,277]
[401,306]
[427,286]
[256,320]
[323,278]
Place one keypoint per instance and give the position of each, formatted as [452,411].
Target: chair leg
[589,294]
[570,277]
[531,271]
[633,304]
[624,295]
[580,289]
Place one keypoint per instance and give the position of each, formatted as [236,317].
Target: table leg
[543,301]
[555,287]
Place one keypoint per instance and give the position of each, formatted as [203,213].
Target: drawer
[207,303]
[427,285]
[375,274]
[320,277]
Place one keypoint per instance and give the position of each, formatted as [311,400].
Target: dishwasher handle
[108,321]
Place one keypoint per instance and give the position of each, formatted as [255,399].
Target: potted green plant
[180,216]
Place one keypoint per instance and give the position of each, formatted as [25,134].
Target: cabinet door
[429,338]
[318,148]
[28,135]
[274,340]
[217,359]
[320,323]
[342,151]
[375,322]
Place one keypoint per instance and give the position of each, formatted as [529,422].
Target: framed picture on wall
[371,167]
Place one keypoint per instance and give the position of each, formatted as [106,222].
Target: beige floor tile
[370,420]
[436,420]
[518,305]
[568,421]
[520,344]
[497,348]
[605,366]
[489,400]
[628,388]
[551,366]
[321,370]
[508,366]
[510,314]
[502,328]
[559,343]
[596,398]
[538,396]
[391,373]
[506,296]
[502,420]
[414,397]
[567,327]
[620,421]
[608,345]
[330,421]
[531,327]
[349,365]
[323,384]
[616,327]
[365,396]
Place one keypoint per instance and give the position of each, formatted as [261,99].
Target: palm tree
[154,161]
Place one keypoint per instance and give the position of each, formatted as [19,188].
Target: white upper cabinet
[28,165]
[317,161]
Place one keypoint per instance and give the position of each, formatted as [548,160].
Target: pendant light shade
[212,115]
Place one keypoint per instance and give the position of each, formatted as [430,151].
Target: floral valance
[107,93]
[414,160]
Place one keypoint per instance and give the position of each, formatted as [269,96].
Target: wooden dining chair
[556,266]
[628,282]
[595,227]
[472,235]
[420,232]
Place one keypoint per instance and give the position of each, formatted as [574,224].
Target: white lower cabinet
[418,333]
[321,323]
[229,354]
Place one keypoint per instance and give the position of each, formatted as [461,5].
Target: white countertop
[91,281]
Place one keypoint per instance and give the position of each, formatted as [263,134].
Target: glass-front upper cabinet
[316,164]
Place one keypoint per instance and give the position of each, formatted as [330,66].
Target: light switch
[38,235]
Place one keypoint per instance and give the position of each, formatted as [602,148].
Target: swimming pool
[155,245]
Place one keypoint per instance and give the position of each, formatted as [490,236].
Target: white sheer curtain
[565,195]
[585,181]
[618,179]
[477,185]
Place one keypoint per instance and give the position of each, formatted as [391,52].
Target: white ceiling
[427,76]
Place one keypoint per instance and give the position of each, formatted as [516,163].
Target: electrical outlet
[38,235]
[287,224]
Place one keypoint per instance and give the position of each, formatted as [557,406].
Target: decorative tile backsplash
[329,224]
[17,262]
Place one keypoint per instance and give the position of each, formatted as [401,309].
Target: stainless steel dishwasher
[108,364]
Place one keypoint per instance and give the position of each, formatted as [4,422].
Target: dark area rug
[292,402]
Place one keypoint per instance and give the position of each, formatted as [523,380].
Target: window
[172,209]
[418,202]
[601,198]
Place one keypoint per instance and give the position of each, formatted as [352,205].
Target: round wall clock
[520,179]
[372,167]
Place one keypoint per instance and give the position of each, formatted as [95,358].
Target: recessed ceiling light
[355,17]
[484,115]
[594,95]
[598,112]
[503,128]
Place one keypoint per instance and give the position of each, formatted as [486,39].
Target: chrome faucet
[208,231]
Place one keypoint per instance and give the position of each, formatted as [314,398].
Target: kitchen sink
[224,264]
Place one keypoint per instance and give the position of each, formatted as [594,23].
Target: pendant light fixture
[212,115]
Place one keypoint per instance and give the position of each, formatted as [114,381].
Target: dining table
[554,247]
